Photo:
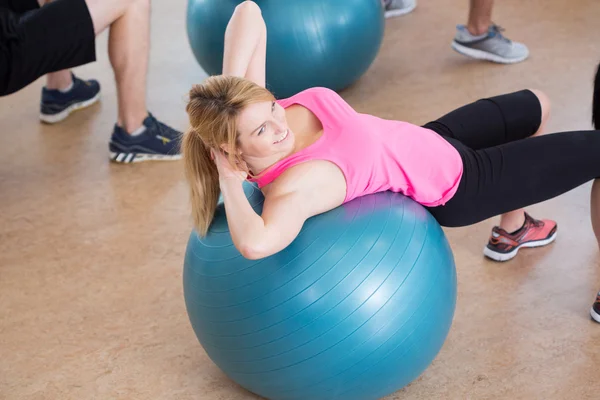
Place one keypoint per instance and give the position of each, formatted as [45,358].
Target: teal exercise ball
[355,308]
[328,43]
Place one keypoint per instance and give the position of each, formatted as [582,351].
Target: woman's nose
[280,126]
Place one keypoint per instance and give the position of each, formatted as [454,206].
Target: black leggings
[505,169]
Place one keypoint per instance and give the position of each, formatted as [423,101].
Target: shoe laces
[535,222]
[164,130]
[497,30]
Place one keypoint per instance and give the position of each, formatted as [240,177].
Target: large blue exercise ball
[329,43]
[355,308]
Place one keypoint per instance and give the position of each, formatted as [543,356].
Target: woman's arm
[246,44]
[299,195]
[258,236]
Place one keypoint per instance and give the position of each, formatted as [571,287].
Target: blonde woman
[312,152]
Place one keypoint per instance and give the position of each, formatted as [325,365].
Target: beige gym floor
[91,252]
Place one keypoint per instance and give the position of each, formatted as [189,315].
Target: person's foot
[595,310]
[491,46]
[504,246]
[395,8]
[153,141]
[56,105]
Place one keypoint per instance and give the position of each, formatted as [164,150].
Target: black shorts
[35,41]
[505,169]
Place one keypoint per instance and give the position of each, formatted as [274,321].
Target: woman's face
[263,133]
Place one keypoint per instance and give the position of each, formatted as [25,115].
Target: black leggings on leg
[518,174]
[504,168]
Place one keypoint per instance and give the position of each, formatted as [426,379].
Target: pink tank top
[374,154]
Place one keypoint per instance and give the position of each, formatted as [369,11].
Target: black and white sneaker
[156,142]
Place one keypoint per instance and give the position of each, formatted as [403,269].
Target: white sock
[65,90]
[139,131]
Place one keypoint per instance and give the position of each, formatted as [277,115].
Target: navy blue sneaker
[56,105]
[157,142]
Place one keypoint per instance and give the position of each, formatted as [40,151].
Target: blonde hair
[213,108]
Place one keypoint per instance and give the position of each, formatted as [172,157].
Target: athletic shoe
[503,246]
[56,105]
[491,46]
[156,142]
[395,8]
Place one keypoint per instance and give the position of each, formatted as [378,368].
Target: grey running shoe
[491,46]
[395,8]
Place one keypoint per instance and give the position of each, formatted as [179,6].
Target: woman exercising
[312,152]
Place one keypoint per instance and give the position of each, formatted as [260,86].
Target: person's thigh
[518,174]
[493,121]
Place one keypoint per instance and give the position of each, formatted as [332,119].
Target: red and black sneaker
[503,246]
[595,311]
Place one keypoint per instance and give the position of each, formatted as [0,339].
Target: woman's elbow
[249,7]
[254,252]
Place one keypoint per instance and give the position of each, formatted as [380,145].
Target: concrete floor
[91,253]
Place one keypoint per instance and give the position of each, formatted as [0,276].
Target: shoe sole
[594,315]
[484,55]
[128,158]
[54,118]
[397,13]
[510,255]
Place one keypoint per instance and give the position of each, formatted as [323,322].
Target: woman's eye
[273,106]
[261,130]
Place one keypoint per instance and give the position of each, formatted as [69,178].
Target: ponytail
[203,179]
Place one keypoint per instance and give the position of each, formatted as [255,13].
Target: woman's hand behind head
[226,170]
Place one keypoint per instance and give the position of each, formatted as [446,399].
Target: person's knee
[544,104]
[105,12]
[143,5]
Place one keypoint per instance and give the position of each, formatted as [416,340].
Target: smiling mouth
[282,138]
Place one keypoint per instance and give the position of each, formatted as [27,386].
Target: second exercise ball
[309,42]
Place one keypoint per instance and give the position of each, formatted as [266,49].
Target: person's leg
[514,220]
[64,93]
[507,177]
[137,136]
[492,122]
[480,16]
[128,49]
[128,52]
[483,40]
[59,80]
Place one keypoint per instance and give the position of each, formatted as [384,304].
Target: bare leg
[480,16]
[128,49]
[513,220]
[59,80]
